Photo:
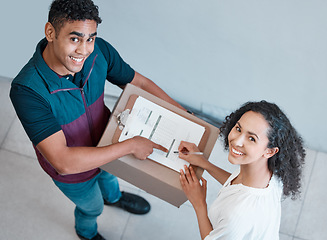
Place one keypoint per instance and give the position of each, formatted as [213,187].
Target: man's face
[71,46]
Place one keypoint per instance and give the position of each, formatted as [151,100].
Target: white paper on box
[163,127]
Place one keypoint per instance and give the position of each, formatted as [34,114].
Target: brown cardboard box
[148,175]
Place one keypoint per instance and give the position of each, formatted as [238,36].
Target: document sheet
[163,127]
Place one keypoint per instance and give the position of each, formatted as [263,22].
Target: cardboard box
[148,175]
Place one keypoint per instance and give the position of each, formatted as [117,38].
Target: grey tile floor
[31,207]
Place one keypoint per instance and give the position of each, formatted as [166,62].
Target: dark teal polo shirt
[47,103]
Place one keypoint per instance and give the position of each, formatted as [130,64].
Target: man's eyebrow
[93,34]
[251,133]
[79,34]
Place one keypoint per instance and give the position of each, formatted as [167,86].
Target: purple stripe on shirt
[77,133]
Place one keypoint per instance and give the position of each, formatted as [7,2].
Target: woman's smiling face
[248,140]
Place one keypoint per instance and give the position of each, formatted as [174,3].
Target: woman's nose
[239,140]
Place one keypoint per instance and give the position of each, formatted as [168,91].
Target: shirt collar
[51,78]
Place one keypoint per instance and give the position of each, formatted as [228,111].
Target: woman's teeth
[237,152]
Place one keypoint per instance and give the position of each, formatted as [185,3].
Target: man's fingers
[158,146]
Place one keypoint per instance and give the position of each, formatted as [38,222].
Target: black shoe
[96,237]
[131,203]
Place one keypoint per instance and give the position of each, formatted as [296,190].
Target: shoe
[96,237]
[131,203]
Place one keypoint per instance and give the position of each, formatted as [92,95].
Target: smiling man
[59,99]
[67,50]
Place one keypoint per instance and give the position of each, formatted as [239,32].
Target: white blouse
[242,212]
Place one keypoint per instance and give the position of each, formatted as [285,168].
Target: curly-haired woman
[262,141]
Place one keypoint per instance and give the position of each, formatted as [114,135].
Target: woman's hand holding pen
[186,150]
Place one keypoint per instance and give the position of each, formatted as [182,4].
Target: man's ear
[50,32]
[271,152]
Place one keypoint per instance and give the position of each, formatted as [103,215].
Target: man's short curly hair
[288,162]
[62,11]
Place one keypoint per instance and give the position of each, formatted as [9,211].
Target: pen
[195,153]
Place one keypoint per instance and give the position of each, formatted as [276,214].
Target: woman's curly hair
[288,162]
[62,11]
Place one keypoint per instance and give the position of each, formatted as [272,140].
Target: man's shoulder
[100,40]
[105,49]
[27,75]
[29,81]
[29,72]
[101,43]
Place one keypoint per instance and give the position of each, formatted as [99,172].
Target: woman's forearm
[205,226]
[218,173]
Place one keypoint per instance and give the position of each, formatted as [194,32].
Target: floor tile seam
[125,227]
[138,192]
[298,238]
[304,197]
[7,133]
[287,234]
[292,236]
[18,153]
[110,96]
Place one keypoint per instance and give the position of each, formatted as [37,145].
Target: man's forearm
[70,160]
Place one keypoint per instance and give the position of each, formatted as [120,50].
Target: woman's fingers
[188,174]
[183,177]
[204,183]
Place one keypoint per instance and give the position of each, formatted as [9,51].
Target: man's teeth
[237,152]
[77,59]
